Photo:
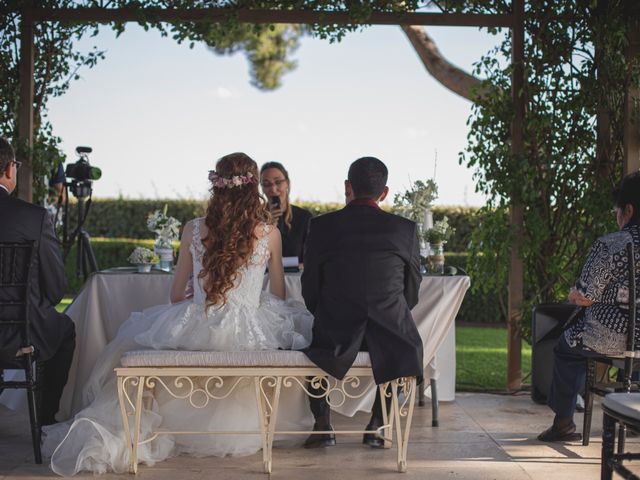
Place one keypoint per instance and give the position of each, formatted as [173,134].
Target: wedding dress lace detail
[251,319]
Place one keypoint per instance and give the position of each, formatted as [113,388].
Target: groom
[361,278]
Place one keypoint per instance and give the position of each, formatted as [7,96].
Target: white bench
[270,371]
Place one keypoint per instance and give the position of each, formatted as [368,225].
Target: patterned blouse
[604,280]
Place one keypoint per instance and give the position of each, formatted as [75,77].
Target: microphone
[275,201]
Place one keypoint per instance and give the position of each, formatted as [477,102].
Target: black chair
[15,282]
[625,364]
[622,409]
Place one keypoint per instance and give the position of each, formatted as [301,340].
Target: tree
[57,63]
[576,69]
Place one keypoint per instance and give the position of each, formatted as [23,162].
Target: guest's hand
[577,298]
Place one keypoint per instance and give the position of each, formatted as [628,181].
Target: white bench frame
[268,382]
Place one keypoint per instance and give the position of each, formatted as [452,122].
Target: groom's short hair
[368,177]
[7,154]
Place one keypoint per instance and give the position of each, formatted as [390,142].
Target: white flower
[413,202]
[141,255]
[166,228]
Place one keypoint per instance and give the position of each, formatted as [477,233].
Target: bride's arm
[276,270]
[184,268]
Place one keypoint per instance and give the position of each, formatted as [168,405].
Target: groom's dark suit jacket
[19,222]
[361,278]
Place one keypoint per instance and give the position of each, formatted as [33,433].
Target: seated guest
[292,221]
[52,333]
[601,328]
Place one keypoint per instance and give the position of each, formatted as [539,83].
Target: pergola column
[631,141]
[25,118]
[516,215]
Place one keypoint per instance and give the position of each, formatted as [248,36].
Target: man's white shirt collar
[2,186]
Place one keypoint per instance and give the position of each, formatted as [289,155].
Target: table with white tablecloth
[108,298]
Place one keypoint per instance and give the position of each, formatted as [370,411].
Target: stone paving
[481,436]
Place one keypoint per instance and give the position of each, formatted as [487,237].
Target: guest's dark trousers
[569,373]
[55,372]
[321,410]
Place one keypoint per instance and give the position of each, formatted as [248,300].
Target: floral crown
[230,182]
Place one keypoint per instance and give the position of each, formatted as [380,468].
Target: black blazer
[293,239]
[361,278]
[21,221]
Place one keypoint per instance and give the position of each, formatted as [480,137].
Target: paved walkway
[481,436]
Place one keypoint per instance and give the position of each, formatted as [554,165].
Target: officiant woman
[292,221]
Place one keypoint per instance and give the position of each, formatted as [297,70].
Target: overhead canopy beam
[243,15]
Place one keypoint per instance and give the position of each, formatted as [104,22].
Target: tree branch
[450,76]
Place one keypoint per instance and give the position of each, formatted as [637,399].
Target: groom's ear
[348,189]
[384,194]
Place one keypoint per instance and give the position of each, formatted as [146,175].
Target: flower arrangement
[440,232]
[230,182]
[143,256]
[413,203]
[166,228]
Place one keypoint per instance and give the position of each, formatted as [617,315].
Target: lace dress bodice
[248,284]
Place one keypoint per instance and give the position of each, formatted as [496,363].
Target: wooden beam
[243,15]
[25,118]
[516,217]
[631,135]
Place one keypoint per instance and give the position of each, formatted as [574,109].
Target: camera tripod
[85,257]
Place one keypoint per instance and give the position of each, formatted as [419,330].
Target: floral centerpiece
[440,232]
[437,236]
[167,229]
[143,258]
[416,201]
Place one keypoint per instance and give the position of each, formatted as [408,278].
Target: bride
[225,253]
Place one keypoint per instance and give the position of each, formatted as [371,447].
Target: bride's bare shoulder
[263,229]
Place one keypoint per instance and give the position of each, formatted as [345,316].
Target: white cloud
[222,92]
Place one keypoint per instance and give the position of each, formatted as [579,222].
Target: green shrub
[478,306]
[124,218]
[109,252]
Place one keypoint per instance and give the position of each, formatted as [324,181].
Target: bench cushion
[627,404]
[262,358]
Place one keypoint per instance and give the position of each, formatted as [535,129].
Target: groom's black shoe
[372,439]
[320,440]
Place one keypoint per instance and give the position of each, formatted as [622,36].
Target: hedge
[123,218]
[111,252]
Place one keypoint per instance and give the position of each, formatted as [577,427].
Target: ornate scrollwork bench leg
[125,404]
[408,388]
[268,410]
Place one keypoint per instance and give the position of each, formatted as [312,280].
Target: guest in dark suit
[52,333]
[361,278]
[292,221]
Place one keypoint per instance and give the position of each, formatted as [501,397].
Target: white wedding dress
[250,320]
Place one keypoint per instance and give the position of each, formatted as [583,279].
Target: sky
[158,114]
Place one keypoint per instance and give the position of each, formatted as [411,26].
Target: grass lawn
[481,359]
[64,303]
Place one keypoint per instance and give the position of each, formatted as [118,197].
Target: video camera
[82,173]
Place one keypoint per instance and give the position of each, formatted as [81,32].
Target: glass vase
[436,258]
[164,250]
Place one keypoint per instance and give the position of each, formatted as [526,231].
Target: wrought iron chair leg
[588,401]
[434,404]
[608,443]
[622,436]
[34,417]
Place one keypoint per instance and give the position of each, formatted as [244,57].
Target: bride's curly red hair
[232,216]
